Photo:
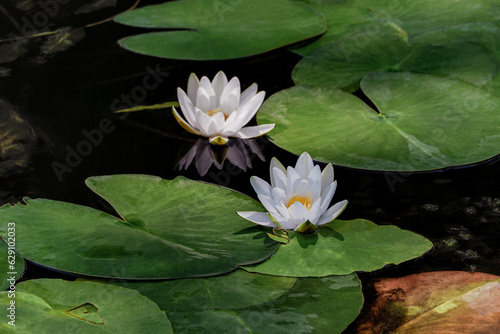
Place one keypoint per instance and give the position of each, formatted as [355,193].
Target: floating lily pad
[168,229]
[11,264]
[220,29]
[421,22]
[343,247]
[57,306]
[436,302]
[236,290]
[422,123]
[342,65]
[257,303]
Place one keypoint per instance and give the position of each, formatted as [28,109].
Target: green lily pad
[222,29]
[304,305]
[11,264]
[57,306]
[343,247]
[424,123]
[343,65]
[168,229]
[237,290]
[415,22]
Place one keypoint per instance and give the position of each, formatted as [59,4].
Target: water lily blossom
[298,198]
[218,110]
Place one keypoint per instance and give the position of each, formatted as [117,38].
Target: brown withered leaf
[451,302]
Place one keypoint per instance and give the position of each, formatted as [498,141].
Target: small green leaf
[343,247]
[154,106]
[306,227]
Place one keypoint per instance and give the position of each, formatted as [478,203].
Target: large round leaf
[169,229]
[343,65]
[304,305]
[424,21]
[57,306]
[11,264]
[236,290]
[424,123]
[343,247]
[220,29]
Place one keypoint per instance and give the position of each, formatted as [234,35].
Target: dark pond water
[61,97]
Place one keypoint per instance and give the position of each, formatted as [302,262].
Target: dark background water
[63,95]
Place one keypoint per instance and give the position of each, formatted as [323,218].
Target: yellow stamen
[306,201]
[215,111]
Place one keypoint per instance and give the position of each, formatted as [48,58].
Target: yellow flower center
[306,201]
[215,111]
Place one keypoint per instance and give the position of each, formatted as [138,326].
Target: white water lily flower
[218,110]
[297,198]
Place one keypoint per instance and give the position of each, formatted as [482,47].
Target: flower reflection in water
[239,152]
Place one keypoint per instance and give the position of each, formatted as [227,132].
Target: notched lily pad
[344,64]
[167,229]
[421,123]
[222,29]
[57,306]
[343,247]
[257,303]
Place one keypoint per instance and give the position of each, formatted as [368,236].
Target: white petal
[292,180]
[232,86]
[209,89]
[218,83]
[254,131]
[229,102]
[184,124]
[298,213]
[328,195]
[286,224]
[248,94]
[260,218]
[279,177]
[314,180]
[193,84]
[326,177]
[219,122]
[203,121]
[260,186]
[279,195]
[283,210]
[246,112]
[304,165]
[315,212]
[302,188]
[187,107]
[203,99]
[332,213]
[275,163]
[268,203]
